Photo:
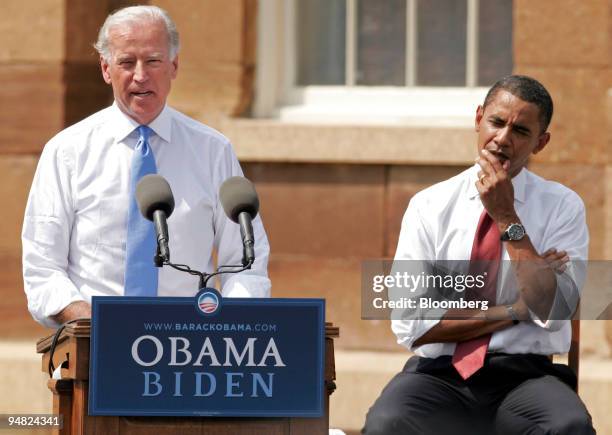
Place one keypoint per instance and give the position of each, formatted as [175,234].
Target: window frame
[277,96]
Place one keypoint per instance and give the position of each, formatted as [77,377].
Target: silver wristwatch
[514,232]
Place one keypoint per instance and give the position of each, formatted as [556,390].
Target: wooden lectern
[71,392]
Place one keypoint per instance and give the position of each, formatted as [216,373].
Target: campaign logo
[208,301]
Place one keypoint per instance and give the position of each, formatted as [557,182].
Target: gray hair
[134,14]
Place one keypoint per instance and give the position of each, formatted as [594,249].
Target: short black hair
[527,89]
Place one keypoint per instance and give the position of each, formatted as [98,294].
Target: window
[330,59]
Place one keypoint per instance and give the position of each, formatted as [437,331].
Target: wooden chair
[573,357]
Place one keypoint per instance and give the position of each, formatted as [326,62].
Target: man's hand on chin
[495,188]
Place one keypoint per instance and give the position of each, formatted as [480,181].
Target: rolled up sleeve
[570,234]
[414,245]
[45,237]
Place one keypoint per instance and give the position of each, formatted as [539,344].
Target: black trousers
[511,394]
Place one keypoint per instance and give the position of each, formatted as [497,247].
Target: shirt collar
[518,182]
[124,125]
[162,125]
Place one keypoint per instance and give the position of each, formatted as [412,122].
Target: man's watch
[512,313]
[514,232]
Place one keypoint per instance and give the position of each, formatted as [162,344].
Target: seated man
[83,235]
[488,371]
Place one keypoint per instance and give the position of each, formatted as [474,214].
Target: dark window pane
[381,42]
[494,40]
[441,42]
[320,42]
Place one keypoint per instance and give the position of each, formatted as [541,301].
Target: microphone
[156,203]
[241,204]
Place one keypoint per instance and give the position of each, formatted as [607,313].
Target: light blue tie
[141,245]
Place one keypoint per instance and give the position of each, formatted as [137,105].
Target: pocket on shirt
[112,222]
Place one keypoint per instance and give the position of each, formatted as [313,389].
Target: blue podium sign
[207,356]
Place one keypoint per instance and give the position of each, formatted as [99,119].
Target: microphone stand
[219,271]
[204,277]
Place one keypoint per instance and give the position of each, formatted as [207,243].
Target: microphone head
[153,193]
[238,195]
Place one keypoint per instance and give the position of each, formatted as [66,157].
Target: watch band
[512,313]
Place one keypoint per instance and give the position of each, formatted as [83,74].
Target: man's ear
[479,115]
[542,142]
[105,68]
[175,63]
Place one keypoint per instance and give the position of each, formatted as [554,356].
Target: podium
[70,398]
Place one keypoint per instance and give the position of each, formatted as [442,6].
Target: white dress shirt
[75,221]
[440,224]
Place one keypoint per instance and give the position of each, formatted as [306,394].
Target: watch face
[516,232]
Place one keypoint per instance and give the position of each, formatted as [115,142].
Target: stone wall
[50,79]
[324,220]
[217,59]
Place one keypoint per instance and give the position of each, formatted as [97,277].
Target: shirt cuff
[247,286]
[409,331]
[564,304]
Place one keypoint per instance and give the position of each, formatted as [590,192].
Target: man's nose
[140,72]
[503,135]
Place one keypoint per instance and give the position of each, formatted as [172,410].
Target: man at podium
[83,235]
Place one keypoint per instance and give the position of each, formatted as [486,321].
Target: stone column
[50,79]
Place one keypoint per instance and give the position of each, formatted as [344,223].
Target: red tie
[469,355]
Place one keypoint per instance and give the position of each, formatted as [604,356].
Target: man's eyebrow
[521,128]
[496,118]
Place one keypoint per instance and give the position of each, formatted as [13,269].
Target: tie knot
[144,131]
